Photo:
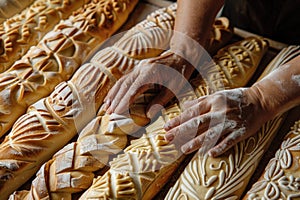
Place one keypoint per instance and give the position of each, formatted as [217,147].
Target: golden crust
[56,58]
[227,176]
[150,160]
[20,32]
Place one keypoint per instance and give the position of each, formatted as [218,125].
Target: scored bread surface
[148,162]
[51,122]
[105,135]
[20,32]
[57,56]
[227,176]
[98,76]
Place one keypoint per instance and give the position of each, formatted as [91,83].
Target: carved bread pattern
[281,178]
[56,119]
[20,32]
[149,161]
[57,56]
[161,23]
[71,169]
[233,62]
[71,105]
[227,176]
[113,63]
[139,43]
[8,8]
[139,165]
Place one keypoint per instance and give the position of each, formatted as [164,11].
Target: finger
[120,90]
[208,139]
[188,104]
[190,127]
[228,142]
[193,112]
[204,141]
[137,88]
[161,99]
[113,91]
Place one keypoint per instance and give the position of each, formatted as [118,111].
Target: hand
[168,70]
[219,121]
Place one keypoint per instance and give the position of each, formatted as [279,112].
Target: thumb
[162,99]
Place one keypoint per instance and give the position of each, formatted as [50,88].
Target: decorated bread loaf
[9,8]
[51,122]
[105,135]
[281,178]
[20,32]
[148,162]
[57,56]
[71,105]
[72,169]
[227,176]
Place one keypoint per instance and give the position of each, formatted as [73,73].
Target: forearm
[194,19]
[280,90]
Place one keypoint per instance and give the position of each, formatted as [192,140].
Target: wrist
[188,49]
[258,99]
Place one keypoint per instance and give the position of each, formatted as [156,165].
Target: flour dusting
[296,79]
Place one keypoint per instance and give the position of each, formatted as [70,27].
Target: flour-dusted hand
[168,70]
[217,122]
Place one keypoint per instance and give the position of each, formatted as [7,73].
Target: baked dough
[226,176]
[32,139]
[104,136]
[281,177]
[57,56]
[20,32]
[8,8]
[86,90]
[148,162]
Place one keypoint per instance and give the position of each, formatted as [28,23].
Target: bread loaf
[226,176]
[146,165]
[8,8]
[20,32]
[71,169]
[32,139]
[57,56]
[86,90]
[105,134]
[281,177]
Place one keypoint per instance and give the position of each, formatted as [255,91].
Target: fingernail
[185,149]
[211,153]
[169,137]
[109,110]
[153,110]
[104,107]
[167,126]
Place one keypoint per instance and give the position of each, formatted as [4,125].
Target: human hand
[216,122]
[168,70]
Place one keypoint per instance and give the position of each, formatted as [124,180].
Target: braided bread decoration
[227,176]
[8,8]
[57,56]
[105,135]
[148,162]
[20,32]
